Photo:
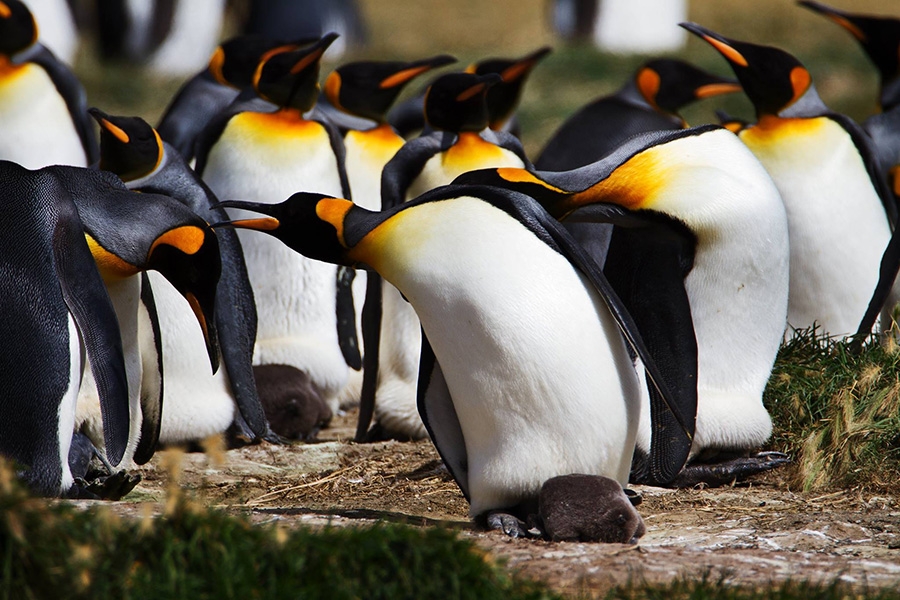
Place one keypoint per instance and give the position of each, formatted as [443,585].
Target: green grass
[51,550]
[837,413]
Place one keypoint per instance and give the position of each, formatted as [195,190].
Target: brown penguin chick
[293,404]
[588,508]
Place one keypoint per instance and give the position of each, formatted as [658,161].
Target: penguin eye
[621,519]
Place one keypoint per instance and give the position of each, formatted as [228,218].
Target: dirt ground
[755,533]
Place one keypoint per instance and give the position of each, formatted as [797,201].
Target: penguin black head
[457,101]
[503,97]
[18,29]
[771,78]
[291,79]
[235,60]
[368,88]
[311,224]
[669,85]
[129,146]
[879,38]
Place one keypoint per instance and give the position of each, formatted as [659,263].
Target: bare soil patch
[753,534]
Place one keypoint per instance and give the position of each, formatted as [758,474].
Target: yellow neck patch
[633,185]
[381,140]
[111,267]
[284,123]
[771,129]
[471,152]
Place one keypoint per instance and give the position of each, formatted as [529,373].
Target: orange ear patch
[333,211]
[5,12]
[648,84]
[187,238]
[800,80]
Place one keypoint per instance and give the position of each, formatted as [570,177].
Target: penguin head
[235,60]
[772,79]
[668,85]
[188,257]
[368,88]
[291,79]
[457,101]
[503,97]
[880,40]
[18,29]
[129,146]
[311,224]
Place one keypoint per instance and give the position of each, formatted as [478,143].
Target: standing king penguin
[56,313]
[367,89]
[650,101]
[456,109]
[43,108]
[306,314]
[524,372]
[196,406]
[879,37]
[824,168]
[700,247]
[128,234]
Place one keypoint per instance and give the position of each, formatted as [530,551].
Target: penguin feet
[724,470]
[109,487]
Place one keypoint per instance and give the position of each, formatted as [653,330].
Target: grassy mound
[837,413]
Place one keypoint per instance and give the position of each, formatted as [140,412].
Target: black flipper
[440,419]
[73,93]
[648,258]
[87,300]
[890,265]
[371,332]
[346,317]
[406,165]
[152,396]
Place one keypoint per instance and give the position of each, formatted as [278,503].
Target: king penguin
[306,314]
[700,249]
[524,371]
[455,107]
[196,405]
[56,315]
[43,108]
[819,160]
[229,72]
[367,90]
[129,233]
[879,37]
[650,101]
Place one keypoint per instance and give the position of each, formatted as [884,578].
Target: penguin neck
[8,68]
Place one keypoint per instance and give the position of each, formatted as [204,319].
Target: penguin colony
[607,313]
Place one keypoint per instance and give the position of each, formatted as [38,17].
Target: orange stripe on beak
[727,51]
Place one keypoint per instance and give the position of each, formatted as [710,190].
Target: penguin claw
[109,487]
[728,471]
[508,524]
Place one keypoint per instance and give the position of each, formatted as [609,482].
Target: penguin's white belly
[738,285]
[837,225]
[37,129]
[295,295]
[68,404]
[196,403]
[535,365]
